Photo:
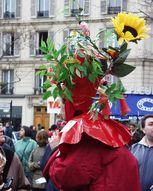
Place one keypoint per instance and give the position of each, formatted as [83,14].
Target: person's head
[132,127]
[25,131]
[53,127]
[42,137]
[147,125]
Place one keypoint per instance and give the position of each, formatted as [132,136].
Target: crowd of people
[81,166]
[91,152]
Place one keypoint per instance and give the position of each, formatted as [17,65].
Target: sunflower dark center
[131,30]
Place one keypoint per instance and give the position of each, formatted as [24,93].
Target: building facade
[23,24]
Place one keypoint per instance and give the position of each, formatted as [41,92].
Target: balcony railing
[42,13]
[114,10]
[8,53]
[75,12]
[5,90]
[9,15]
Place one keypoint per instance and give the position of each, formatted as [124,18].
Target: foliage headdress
[77,70]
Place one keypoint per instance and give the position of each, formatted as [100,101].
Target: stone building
[23,23]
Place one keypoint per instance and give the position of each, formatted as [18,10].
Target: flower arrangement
[80,60]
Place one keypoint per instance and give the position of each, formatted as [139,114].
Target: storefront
[140,105]
[13,114]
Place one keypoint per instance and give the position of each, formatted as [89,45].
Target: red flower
[84,26]
[124,107]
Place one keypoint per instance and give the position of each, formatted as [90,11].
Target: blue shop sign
[139,104]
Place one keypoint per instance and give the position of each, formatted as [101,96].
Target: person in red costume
[91,152]
[92,156]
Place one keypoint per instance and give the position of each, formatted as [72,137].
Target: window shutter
[33,8]
[86,7]
[18,8]
[103,7]
[1,9]
[52,8]
[51,35]
[66,7]
[124,5]
[1,46]
[65,35]
[17,44]
[32,44]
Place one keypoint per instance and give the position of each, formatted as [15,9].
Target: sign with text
[53,106]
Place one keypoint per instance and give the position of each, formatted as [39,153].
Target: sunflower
[129,27]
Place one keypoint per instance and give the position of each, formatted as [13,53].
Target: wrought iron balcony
[75,12]
[9,15]
[42,13]
[114,10]
[6,90]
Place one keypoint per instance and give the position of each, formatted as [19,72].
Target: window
[38,83]
[11,44]
[8,39]
[72,8]
[35,41]
[42,8]
[107,38]
[7,82]
[41,36]
[10,9]
[113,6]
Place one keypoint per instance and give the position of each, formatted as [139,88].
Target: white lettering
[141,104]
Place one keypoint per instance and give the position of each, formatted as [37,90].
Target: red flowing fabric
[83,94]
[109,131]
[124,107]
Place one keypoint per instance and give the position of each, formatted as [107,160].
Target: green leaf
[78,73]
[118,95]
[43,67]
[63,75]
[123,47]
[63,58]
[122,70]
[38,72]
[46,95]
[71,69]
[43,44]
[50,44]
[55,92]
[122,57]
[67,93]
[46,84]
[92,77]
[48,57]
[43,73]
[62,50]
[44,49]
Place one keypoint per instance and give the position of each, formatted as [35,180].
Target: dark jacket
[144,155]
[13,168]
[47,154]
